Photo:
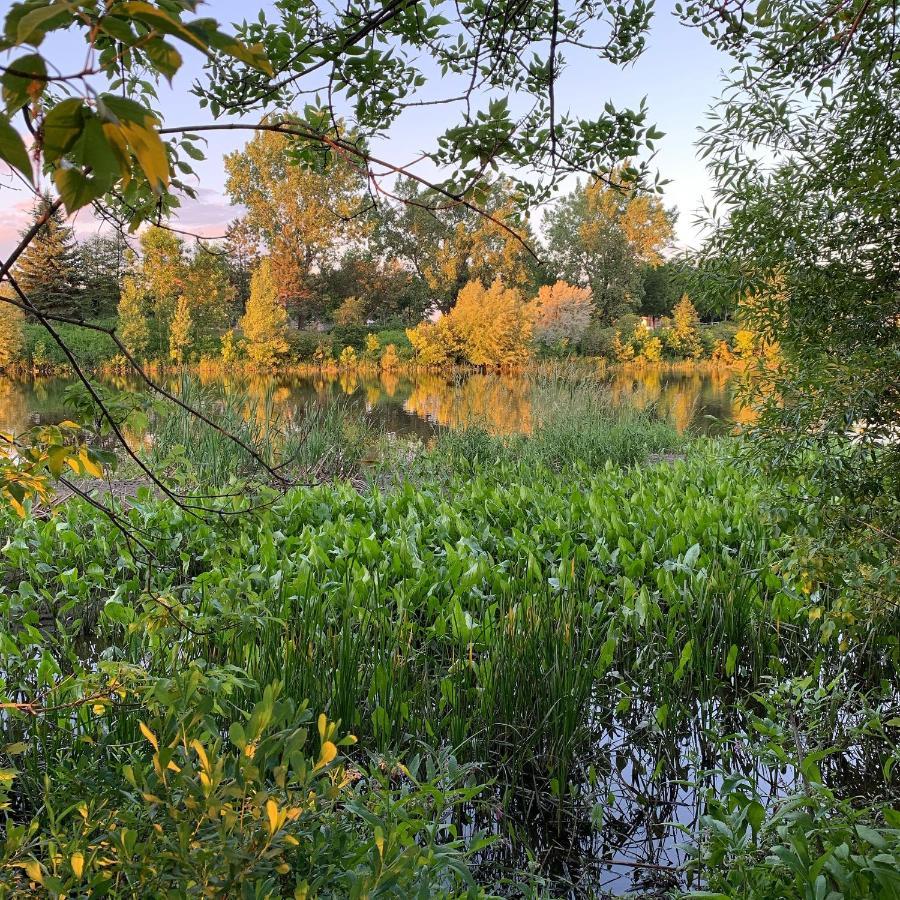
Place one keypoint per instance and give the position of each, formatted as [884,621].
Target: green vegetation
[503,607]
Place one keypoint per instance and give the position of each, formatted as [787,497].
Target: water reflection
[417,405]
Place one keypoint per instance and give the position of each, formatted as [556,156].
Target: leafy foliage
[265,321]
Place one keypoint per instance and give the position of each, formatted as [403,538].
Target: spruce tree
[48,269]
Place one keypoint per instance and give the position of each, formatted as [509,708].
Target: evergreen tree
[102,266]
[134,330]
[180,331]
[48,269]
[265,323]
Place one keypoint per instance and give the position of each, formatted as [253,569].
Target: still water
[702,402]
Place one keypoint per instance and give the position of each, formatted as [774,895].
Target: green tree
[102,264]
[162,274]
[181,331]
[133,327]
[211,296]
[810,234]
[265,323]
[48,269]
[602,236]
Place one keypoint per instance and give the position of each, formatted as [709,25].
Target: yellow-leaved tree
[265,322]
[486,327]
[562,313]
[684,337]
[180,331]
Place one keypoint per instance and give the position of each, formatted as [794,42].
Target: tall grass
[311,441]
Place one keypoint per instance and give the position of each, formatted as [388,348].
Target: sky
[678,73]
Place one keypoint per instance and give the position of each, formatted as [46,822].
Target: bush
[303,344]
[92,349]
[712,335]
[397,337]
[349,336]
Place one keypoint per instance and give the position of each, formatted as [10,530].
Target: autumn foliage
[486,327]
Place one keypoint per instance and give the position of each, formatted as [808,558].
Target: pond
[700,401]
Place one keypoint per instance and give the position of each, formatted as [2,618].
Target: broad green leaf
[12,150]
[19,90]
[62,128]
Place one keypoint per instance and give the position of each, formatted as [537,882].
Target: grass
[545,610]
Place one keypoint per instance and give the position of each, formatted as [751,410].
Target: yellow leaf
[301,892]
[283,869]
[328,753]
[68,423]
[323,724]
[98,709]
[290,839]
[33,870]
[201,753]
[172,767]
[147,733]
[379,840]
[89,465]
[272,813]
[77,861]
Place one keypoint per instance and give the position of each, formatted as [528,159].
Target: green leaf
[34,25]
[12,150]
[18,90]
[76,189]
[731,661]
[62,128]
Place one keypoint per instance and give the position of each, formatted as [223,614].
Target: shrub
[92,349]
[12,339]
[562,314]
[487,327]
[348,358]
[349,336]
[389,358]
[304,344]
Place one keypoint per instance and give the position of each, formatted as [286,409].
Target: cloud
[206,216]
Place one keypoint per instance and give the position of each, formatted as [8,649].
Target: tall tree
[241,256]
[162,280]
[448,244]
[601,236]
[264,324]
[306,217]
[102,265]
[809,231]
[48,269]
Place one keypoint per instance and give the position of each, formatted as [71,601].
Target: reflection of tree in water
[684,399]
[390,381]
[348,381]
[500,404]
[14,407]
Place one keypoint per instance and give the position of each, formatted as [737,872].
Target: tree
[12,339]
[562,313]
[486,327]
[601,236]
[683,338]
[181,330]
[48,269]
[133,327]
[241,256]
[211,296]
[265,323]
[448,245]
[162,280]
[307,217]
[808,230]
[661,289]
[102,265]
